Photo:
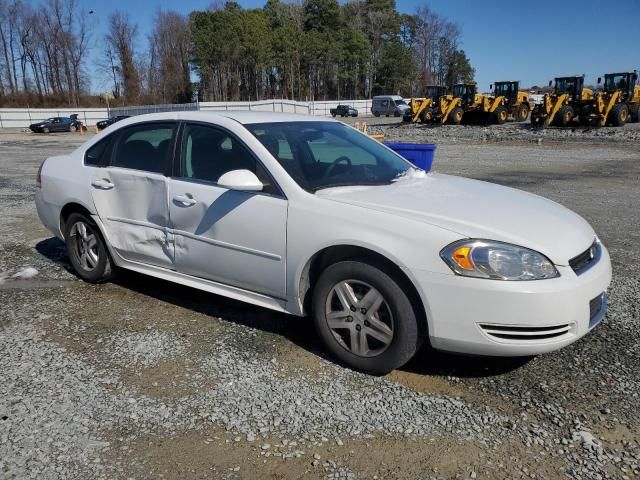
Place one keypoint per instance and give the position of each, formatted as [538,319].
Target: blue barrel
[420,154]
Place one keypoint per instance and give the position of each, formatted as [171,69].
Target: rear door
[130,194]
[233,237]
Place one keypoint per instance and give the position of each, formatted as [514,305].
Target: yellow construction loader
[516,101]
[616,104]
[422,109]
[476,106]
[565,103]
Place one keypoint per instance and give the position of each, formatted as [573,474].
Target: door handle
[103,184]
[187,201]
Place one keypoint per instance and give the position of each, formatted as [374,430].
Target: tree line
[303,50]
[319,49]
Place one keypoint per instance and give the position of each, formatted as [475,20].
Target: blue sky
[505,39]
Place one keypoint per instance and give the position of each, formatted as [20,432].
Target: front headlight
[497,260]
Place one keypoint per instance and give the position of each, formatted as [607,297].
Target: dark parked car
[344,111]
[57,124]
[102,124]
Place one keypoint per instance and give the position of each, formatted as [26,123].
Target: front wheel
[455,117]
[86,249]
[500,115]
[364,318]
[45,130]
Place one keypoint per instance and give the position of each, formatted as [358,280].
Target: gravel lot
[145,379]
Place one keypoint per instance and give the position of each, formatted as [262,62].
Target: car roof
[243,117]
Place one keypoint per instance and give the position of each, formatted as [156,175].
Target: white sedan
[311,217]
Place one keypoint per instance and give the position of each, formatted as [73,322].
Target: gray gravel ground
[141,378]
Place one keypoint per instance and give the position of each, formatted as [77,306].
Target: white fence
[23,117]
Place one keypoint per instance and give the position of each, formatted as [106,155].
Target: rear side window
[145,147]
[98,154]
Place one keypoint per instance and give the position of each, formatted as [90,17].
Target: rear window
[98,154]
[145,147]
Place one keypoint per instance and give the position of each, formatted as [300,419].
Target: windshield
[566,85]
[615,82]
[400,102]
[329,154]
[505,89]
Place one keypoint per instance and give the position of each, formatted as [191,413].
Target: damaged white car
[311,217]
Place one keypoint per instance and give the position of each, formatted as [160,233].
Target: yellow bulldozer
[616,104]
[423,109]
[479,107]
[564,104]
[516,101]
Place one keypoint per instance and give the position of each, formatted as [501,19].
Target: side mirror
[491,87]
[550,82]
[599,80]
[242,180]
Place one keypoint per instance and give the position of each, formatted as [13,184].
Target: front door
[233,237]
[130,194]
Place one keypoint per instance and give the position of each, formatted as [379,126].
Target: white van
[389,105]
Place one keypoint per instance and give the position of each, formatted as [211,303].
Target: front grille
[583,262]
[509,332]
[597,309]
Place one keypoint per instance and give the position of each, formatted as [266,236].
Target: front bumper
[501,318]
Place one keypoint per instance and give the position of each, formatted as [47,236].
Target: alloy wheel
[85,245]
[359,318]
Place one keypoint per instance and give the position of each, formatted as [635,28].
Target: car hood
[39,124]
[476,209]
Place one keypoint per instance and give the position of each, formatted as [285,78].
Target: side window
[144,147]
[209,152]
[98,154]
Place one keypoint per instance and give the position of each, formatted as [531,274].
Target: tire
[619,115]
[455,117]
[396,113]
[376,114]
[564,116]
[522,113]
[45,130]
[333,115]
[635,117]
[389,342]
[499,115]
[536,118]
[89,258]
[427,115]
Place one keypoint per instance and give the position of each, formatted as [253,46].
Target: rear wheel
[522,113]
[619,115]
[376,114]
[364,318]
[500,115]
[86,249]
[456,115]
[564,116]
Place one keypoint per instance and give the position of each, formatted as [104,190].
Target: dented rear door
[130,195]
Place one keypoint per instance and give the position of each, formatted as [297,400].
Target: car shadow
[432,362]
[299,331]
